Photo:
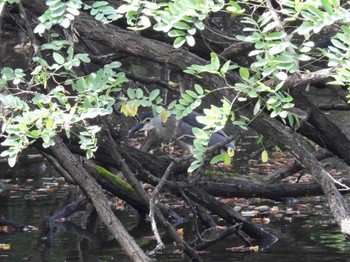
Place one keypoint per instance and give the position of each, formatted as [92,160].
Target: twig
[29,30]
[281,29]
[152,205]
[69,210]
[194,212]
[2,12]
[226,233]
[53,161]
[109,144]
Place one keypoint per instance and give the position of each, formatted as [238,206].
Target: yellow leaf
[180,232]
[233,117]
[164,116]
[254,248]
[5,246]
[49,123]
[133,110]
[227,159]
[173,84]
[264,156]
[45,82]
[230,151]
[128,110]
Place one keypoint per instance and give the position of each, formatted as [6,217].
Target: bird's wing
[191,120]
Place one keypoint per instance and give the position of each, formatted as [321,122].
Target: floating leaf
[5,246]
[264,156]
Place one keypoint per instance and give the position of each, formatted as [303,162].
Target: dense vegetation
[250,61]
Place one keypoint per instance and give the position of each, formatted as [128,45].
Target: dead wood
[178,59]
[331,136]
[99,200]
[282,136]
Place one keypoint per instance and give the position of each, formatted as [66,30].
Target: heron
[179,130]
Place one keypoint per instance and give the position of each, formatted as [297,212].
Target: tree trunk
[95,193]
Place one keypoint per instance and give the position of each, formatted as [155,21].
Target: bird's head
[147,123]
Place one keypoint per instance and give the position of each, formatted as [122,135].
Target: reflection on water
[303,239]
[310,237]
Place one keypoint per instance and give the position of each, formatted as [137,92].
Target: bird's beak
[135,129]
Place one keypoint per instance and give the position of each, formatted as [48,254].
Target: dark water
[311,237]
[323,243]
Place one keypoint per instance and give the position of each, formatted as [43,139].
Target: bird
[180,131]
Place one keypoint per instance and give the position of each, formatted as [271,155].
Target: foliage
[103,12]
[188,101]
[179,19]
[59,12]
[57,110]
[9,1]
[276,54]
[282,43]
[136,98]
[214,120]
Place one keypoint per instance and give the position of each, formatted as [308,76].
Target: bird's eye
[147,120]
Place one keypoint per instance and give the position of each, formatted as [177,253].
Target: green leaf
[315,11]
[191,93]
[225,68]
[99,3]
[181,25]
[283,114]
[179,41]
[83,57]
[339,44]
[305,28]
[257,107]
[12,160]
[162,27]
[256,52]
[59,59]
[275,36]
[327,6]
[281,75]
[199,133]
[176,33]
[214,61]
[194,165]
[303,57]
[39,29]
[244,73]
[131,93]
[199,25]
[65,23]
[278,48]
[192,31]
[269,26]
[199,89]
[190,40]
[216,159]
[139,93]
[272,100]
[154,94]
